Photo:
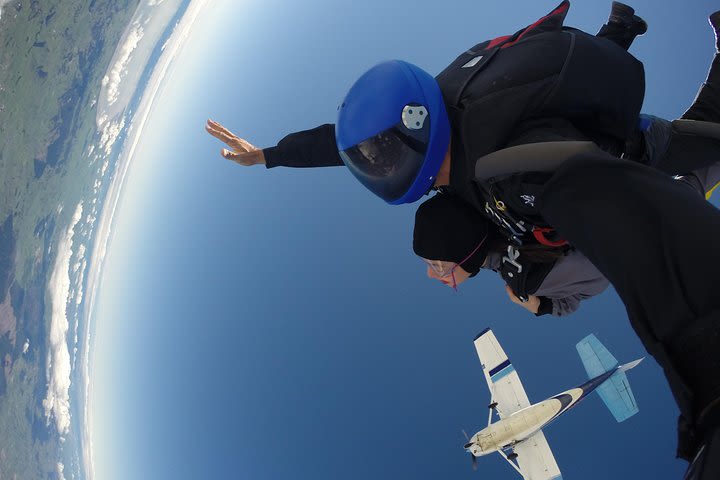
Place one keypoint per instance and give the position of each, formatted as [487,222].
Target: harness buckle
[511,259]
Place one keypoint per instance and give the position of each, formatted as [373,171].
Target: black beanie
[448,229]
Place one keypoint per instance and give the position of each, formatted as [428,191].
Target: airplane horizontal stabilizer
[595,357]
[618,397]
[615,392]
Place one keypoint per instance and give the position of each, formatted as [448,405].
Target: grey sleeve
[566,306]
[573,279]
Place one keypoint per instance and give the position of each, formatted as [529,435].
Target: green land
[53,56]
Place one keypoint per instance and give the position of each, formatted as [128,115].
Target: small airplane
[518,435]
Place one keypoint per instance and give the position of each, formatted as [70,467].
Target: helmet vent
[413,116]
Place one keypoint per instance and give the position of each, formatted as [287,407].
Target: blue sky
[275,323]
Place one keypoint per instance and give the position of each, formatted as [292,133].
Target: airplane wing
[535,459]
[502,379]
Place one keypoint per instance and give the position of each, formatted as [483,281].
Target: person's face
[449,273]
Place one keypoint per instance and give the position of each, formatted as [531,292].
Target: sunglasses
[444,269]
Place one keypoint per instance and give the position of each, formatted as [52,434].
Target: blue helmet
[393,131]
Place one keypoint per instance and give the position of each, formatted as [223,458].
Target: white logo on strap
[528,199]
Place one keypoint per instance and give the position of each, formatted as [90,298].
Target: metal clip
[516,228]
[511,258]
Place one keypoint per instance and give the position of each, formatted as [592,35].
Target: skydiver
[456,242]
[534,74]
[312,147]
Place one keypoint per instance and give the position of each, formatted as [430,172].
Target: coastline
[104,236]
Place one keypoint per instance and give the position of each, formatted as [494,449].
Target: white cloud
[2,3]
[57,402]
[59,468]
[110,133]
[102,117]
[117,72]
[81,279]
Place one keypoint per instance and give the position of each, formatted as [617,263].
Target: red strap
[497,41]
[510,40]
[561,9]
[539,234]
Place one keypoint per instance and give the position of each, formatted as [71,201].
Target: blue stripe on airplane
[502,373]
[592,384]
[499,367]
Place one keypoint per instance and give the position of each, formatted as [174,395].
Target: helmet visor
[388,163]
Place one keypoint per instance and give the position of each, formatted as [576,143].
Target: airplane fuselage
[522,424]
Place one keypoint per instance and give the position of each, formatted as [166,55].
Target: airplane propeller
[472,457]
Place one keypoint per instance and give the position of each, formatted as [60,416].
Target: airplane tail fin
[615,392]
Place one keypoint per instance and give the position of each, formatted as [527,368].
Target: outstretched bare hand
[243,152]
